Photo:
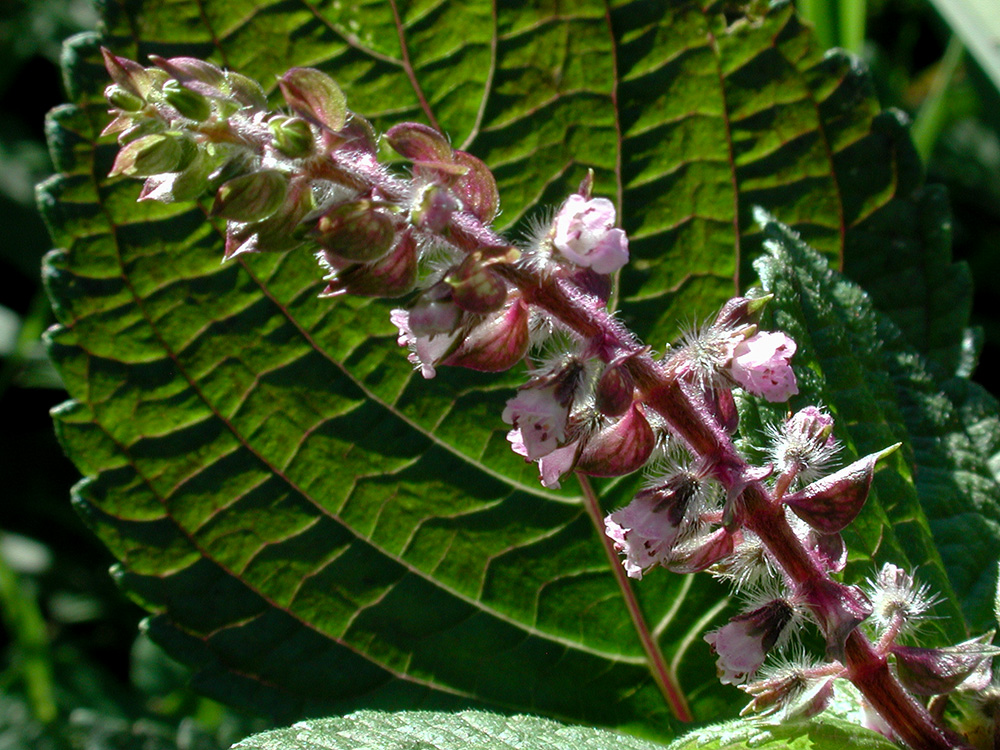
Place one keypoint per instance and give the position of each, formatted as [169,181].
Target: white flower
[743,643]
[645,530]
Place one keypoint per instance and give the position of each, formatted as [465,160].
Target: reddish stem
[664,677]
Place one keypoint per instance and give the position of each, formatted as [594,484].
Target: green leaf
[822,733]
[427,730]
[882,391]
[314,526]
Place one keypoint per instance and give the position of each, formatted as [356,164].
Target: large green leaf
[426,730]
[316,527]
[476,730]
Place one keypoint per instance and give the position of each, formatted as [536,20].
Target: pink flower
[553,466]
[585,234]
[425,351]
[761,365]
[539,420]
[645,530]
[744,642]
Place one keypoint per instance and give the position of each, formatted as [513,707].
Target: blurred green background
[75,672]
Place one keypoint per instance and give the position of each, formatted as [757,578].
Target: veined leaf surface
[315,526]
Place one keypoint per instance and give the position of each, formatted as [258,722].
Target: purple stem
[691,421]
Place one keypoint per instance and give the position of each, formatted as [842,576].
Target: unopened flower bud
[701,552]
[154,154]
[740,312]
[251,197]
[433,208]
[279,232]
[357,231]
[831,503]
[498,343]
[477,288]
[360,135]
[839,609]
[128,74]
[190,104]
[744,643]
[477,188]
[315,96]
[723,406]
[828,550]
[123,99]
[246,91]
[419,143]
[619,449]
[392,275]
[933,671]
[140,129]
[292,136]
[615,391]
[189,184]
[190,69]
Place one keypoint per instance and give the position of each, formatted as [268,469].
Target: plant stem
[664,677]
[852,16]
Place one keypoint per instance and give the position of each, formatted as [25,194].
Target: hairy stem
[690,420]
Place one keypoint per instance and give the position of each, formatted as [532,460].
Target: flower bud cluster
[595,401]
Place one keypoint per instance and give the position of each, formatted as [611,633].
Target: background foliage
[896,62]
